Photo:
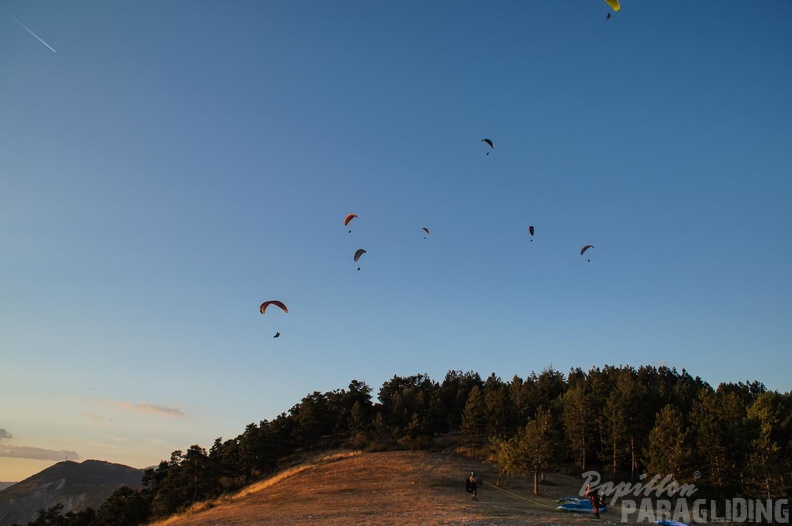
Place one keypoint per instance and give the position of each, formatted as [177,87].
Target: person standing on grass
[472,485]
[592,496]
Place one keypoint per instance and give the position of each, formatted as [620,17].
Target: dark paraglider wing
[488,142]
[531,230]
[425,230]
[359,252]
[582,250]
[273,302]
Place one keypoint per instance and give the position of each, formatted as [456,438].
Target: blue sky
[172,165]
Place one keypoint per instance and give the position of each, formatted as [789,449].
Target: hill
[407,488]
[75,485]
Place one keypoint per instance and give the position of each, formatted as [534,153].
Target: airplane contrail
[28,29]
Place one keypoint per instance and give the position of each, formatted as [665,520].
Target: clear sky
[165,167]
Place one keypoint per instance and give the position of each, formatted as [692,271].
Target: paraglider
[531,231]
[277,303]
[359,252]
[582,250]
[349,218]
[425,230]
[614,5]
[488,142]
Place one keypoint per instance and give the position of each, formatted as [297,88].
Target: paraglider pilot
[592,496]
[471,485]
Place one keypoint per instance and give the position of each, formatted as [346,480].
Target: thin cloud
[93,416]
[5,434]
[155,409]
[37,453]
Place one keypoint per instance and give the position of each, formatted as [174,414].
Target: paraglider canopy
[614,4]
[488,142]
[425,230]
[273,302]
[582,250]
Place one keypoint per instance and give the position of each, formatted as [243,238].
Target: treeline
[735,440]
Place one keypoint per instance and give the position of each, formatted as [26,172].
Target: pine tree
[669,450]
[577,422]
[473,431]
[622,419]
[722,437]
[498,407]
[771,416]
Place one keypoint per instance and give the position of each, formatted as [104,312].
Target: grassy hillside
[418,488]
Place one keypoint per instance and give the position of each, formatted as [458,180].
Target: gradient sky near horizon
[167,166]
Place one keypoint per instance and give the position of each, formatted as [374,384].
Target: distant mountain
[75,485]
[4,485]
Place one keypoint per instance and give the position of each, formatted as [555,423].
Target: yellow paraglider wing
[614,4]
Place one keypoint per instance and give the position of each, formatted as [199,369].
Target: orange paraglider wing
[349,218]
[273,302]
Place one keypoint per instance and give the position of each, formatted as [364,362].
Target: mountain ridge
[75,485]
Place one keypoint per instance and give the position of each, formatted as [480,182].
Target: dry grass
[392,488]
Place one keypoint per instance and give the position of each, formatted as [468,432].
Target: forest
[731,441]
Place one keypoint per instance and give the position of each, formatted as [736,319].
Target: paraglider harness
[468,485]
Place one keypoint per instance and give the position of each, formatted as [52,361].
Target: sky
[168,166]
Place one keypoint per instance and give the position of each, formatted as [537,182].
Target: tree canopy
[621,420]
